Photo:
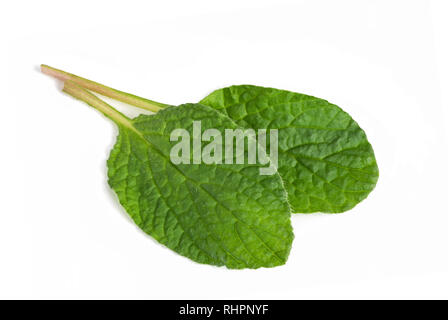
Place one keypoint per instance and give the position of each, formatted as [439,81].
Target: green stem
[79,93]
[104,90]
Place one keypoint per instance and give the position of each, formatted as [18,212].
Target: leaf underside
[325,159]
[223,215]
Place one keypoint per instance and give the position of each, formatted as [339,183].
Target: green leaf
[325,159]
[215,214]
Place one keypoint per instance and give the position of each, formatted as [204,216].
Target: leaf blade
[322,150]
[193,209]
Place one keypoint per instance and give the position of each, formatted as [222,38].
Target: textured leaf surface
[325,159]
[215,214]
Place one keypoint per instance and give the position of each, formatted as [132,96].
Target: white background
[62,232]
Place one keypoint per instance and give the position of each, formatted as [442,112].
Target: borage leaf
[215,214]
[325,159]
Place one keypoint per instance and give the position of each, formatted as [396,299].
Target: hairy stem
[104,90]
[79,93]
